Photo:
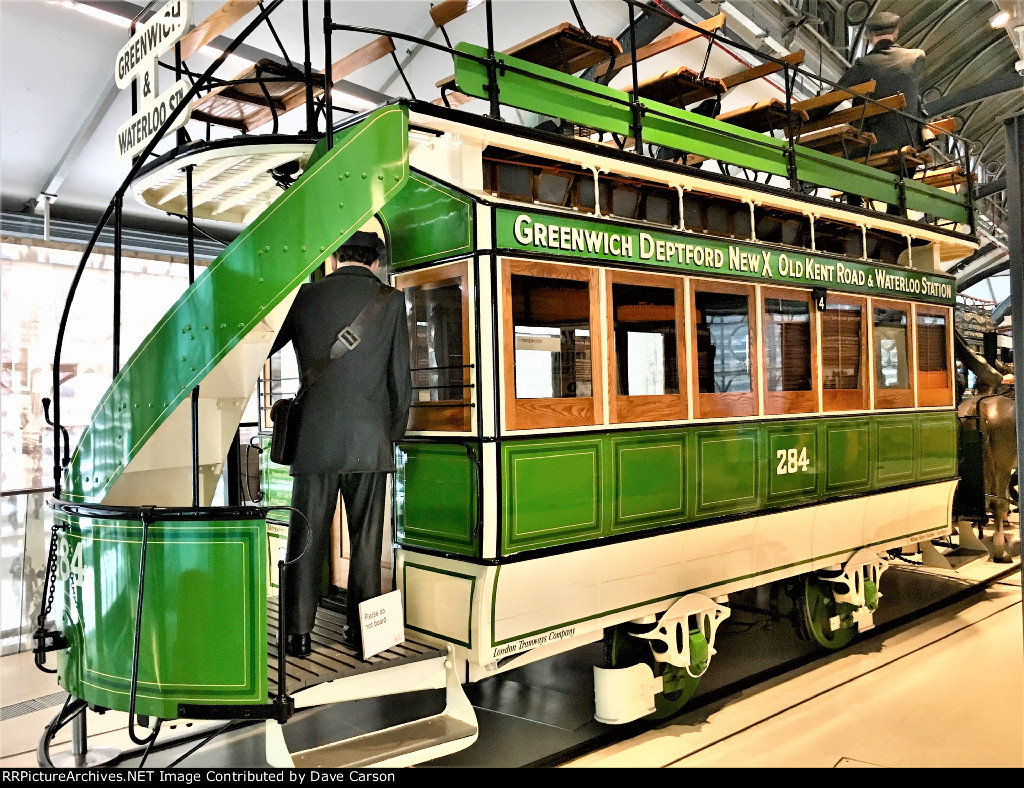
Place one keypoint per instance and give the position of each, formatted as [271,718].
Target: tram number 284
[791,461]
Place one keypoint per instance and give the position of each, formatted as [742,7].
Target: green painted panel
[588,104]
[727,470]
[896,440]
[793,464]
[593,239]
[553,492]
[436,497]
[938,452]
[426,221]
[265,263]
[848,456]
[937,202]
[203,632]
[649,480]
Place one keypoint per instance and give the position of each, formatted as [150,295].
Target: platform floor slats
[332,658]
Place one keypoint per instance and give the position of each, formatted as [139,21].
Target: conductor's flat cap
[884,22]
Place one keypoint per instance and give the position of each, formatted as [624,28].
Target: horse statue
[992,411]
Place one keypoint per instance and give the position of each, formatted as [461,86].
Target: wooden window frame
[445,415]
[718,405]
[928,393]
[645,407]
[550,412]
[779,403]
[895,398]
[848,399]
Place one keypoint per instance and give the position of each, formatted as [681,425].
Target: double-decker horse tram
[657,359]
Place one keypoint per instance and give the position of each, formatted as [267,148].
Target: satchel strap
[348,337]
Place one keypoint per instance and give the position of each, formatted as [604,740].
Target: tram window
[723,343]
[645,340]
[515,182]
[435,304]
[625,201]
[553,188]
[551,323]
[787,339]
[585,194]
[891,347]
[841,326]
[661,206]
[933,379]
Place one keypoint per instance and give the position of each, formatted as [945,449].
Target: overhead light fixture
[96,13]
[999,19]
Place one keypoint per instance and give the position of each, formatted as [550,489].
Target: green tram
[640,386]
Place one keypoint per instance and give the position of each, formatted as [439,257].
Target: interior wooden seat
[936,127]
[247,105]
[680,87]
[857,113]
[837,140]
[766,116]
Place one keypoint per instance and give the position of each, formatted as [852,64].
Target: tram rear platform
[939,682]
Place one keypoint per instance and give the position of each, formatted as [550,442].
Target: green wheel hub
[817,606]
[625,650]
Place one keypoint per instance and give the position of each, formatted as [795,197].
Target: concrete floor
[945,690]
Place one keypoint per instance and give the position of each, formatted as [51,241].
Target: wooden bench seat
[853,115]
[563,48]
[837,140]
[766,116]
[762,70]
[660,45]
[827,102]
[944,177]
[246,106]
[890,160]
[680,87]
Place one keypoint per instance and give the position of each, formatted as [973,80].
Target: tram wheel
[817,608]
[623,650]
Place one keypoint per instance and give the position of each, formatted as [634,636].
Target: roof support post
[1015,238]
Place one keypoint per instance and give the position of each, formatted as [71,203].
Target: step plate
[332,658]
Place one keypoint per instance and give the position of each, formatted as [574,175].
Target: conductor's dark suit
[351,416]
[895,70]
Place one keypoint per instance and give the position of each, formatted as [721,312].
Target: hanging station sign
[596,240]
[138,61]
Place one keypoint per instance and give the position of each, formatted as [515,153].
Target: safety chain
[51,573]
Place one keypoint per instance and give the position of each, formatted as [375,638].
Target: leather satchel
[286,413]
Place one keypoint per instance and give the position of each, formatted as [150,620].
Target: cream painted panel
[782,539]
[838,528]
[438,603]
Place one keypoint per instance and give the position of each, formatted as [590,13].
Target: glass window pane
[840,346]
[932,355]
[723,343]
[435,336]
[645,340]
[552,337]
[657,209]
[516,181]
[890,330]
[553,188]
[625,200]
[787,338]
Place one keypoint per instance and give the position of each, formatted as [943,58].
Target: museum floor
[942,689]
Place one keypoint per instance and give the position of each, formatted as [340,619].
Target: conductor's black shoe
[297,645]
[353,639]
